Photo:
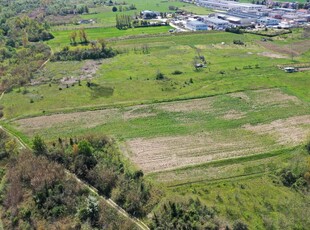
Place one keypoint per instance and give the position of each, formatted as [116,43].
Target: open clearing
[164,153]
[170,135]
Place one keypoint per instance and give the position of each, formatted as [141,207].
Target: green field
[220,133]
[132,74]
[62,36]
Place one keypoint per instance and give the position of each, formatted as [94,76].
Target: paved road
[178,27]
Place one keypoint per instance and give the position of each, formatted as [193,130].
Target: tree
[114,8]
[84,148]
[73,36]
[11,147]
[83,36]
[39,146]
[103,43]
[238,225]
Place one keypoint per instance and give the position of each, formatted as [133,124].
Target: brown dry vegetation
[296,48]
[289,131]
[87,119]
[163,153]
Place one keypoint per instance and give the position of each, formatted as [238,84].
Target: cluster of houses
[232,14]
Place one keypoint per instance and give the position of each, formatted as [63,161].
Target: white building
[196,25]
[268,21]
[228,5]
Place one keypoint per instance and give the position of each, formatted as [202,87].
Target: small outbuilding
[290,69]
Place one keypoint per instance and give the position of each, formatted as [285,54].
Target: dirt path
[109,201]
[1,96]
[19,140]
[44,63]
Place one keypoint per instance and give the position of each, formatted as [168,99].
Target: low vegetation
[204,130]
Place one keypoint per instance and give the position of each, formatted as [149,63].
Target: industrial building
[268,21]
[216,23]
[228,5]
[196,25]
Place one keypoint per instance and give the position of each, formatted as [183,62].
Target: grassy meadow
[220,133]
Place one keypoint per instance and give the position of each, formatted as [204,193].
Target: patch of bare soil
[88,71]
[304,69]
[204,104]
[87,119]
[234,115]
[277,48]
[290,131]
[90,68]
[163,153]
[295,49]
[272,55]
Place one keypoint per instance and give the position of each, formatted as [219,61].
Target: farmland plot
[170,135]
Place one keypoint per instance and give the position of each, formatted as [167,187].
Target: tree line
[98,49]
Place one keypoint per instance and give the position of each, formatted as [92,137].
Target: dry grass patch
[87,119]
[267,97]
[290,131]
[234,115]
[163,153]
[296,48]
[270,97]
[139,111]
[205,104]
[272,55]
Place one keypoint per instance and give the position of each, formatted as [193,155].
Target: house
[196,25]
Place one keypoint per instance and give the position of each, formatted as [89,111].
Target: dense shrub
[177,72]
[97,161]
[239,225]
[83,54]
[184,215]
[234,30]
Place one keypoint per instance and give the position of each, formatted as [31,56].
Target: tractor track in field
[109,201]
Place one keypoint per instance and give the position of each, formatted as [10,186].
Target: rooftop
[215,20]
